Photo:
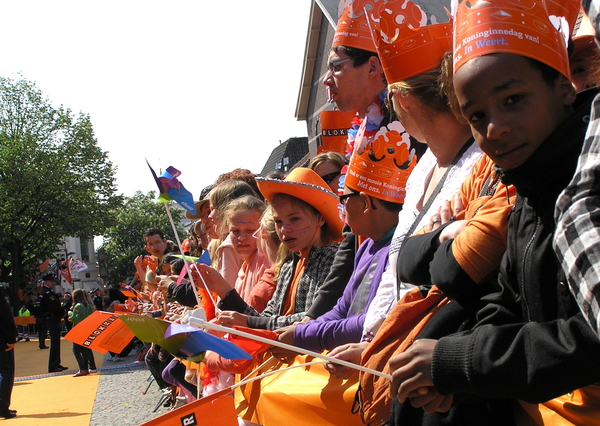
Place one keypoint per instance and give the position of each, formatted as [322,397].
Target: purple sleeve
[319,336]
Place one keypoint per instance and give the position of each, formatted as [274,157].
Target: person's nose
[497,128]
[328,78]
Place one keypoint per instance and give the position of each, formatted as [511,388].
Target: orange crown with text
[521,27]
[409,40]
[564,15]
[380,168]
[352,28]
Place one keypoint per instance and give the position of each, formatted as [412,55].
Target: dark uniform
[8,336]
[50,306]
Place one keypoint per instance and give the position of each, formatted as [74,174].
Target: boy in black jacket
[531,343]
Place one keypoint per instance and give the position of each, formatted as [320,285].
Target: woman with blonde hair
[328,165]
[307,223]
[224,257]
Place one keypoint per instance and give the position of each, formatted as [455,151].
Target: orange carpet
[51,399]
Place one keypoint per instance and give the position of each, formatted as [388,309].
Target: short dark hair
[359,56]
[549,74]
[49,277]
[154,231]
[390,206]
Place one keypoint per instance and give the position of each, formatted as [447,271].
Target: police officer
[50,306]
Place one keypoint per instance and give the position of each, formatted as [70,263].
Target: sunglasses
[329,177]
[344,198]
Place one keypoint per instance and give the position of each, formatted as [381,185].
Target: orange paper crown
[521,27]
[352,28]
[334,130]
[409,40]
[381,168]
[564,15]
[584,36]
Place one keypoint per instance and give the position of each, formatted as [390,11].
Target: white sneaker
[93,371]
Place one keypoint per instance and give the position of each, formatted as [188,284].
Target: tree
[54,179]
[124,241]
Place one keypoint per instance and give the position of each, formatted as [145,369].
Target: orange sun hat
[411,37]
[306,185]
[521,27]
[381,168]
[352,27]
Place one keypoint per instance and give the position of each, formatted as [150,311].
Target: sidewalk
[113,396]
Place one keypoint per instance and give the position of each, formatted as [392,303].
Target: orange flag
[216,409]
[102,332]
[253,347]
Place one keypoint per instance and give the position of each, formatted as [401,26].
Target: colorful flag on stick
[204,258]
[197,341]
[171,189]
[102,332]
[181,340]
[64,273]
[78,265]
[216,409]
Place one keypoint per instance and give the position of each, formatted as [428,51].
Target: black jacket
[531,342]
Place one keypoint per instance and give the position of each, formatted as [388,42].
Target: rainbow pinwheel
[171,189]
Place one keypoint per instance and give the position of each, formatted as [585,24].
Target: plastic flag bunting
[216,409]
[203,259]
[171,189]
[180,340]
[198,341]
[102,332]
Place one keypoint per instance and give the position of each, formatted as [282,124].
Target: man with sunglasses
[355,81]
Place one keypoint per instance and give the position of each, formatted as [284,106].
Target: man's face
[345,83]
[509,106]
[353,209]
[155,245]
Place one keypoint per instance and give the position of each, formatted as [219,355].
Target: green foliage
[124,241]
[54,179]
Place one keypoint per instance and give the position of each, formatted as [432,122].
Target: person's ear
[567,90]
[404,101]
[367,202]
[321,220]
[375,68]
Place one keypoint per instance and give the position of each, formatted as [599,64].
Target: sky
[203,86]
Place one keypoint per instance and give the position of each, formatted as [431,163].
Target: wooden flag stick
[211,326]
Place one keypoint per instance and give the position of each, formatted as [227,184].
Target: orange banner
[216,409]
[24,320]
[102,332]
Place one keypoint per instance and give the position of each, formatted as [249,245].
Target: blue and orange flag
[171,189]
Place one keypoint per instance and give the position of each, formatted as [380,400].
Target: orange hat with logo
[306,185]
[352,28]
[334,130]
[411,36]
[381,168]
[521,27]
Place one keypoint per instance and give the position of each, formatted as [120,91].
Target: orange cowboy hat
[306,185]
